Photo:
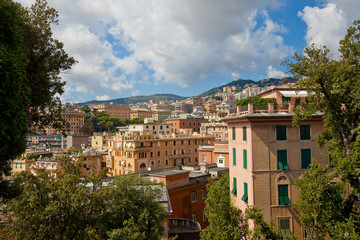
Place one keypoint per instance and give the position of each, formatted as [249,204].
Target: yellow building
[266,155]
[140,113]
[115,110]
[131,154]
[99,140]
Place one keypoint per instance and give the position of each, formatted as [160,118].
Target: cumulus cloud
[274,73]
[102,98]
[119,43]
[327,25]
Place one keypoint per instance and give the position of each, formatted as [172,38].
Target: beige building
[99,140]
[219,130]
[75,118]
[140,113]
[266,155]
[115,110]
[160,115]
[131,154]
[149,128]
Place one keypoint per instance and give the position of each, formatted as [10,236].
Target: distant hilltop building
[115,110]
[229,89]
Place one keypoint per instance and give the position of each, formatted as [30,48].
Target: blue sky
[185,47]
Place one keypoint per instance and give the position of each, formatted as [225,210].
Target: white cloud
[274,73]
[120,43]
[327,25]
[135,93]
[102,98]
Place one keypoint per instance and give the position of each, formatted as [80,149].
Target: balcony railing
[182,225]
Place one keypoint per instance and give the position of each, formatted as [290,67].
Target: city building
[160,115]
[219,130]
[91,160]
[132,154]
[149,128]
[140,113]
[267,153]
[78,141]
[75,119]
[195,101]
[215,153]
[184,121]
[115,110]
[286,94]
[182,106]
[99,140]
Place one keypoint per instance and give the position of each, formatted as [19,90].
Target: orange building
[115,110]
[216,153]
[187,193]
[186,122]
[75,118]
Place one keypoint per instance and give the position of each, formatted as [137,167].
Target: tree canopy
[332,84]
[66,206]
[256,100]
[30,63]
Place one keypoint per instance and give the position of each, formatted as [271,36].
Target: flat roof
[267,115]
[168,173]
[197,174]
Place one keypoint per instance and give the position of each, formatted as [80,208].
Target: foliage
[100,121]
[70,207]
[332,85]
[31,60]
[225,221]
[262,230]
[321,203]
[256,100]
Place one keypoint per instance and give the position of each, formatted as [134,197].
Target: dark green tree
[72,207]
[30,63]
[332,84]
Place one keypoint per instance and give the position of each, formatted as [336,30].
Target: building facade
[266,155]
[115,110]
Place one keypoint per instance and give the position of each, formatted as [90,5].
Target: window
[174,143]
[175,129]
[284,226]
[151,154]
[159,163]
[166,162]
[204,216]
[193,216]
[193,196]
[234,190]
[203,193]
[166,153]
[305,158]
[158,153]
[204,158]
[282,159]
[304,132]
[283,195]
[183,123]
[153,127]
[190,123]
[245,158]
[84,165]
[245,196]
[234,156]
[233,134]
[281,132]
[244,134]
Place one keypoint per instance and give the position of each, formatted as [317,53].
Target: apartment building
[99,140]
[75,118]
[140,113]
[219,130]
[132,154]
[160,115]
[215,153]
[182,106]
[115,110]
[185,122]
[149,128]
[266,155]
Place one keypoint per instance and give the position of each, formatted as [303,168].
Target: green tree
[72,207]
[225,221]
[332,85]
[30,63]
[257,101]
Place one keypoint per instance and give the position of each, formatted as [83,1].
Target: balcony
[269,108]
[184,228]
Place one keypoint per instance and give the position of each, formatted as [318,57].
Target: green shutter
[244,134]
[304,132]
[234,190]
[282,159]
[281,132]
[305,158]
[233,134]
[234,156]
[245,158]
[283,195]
[245,196]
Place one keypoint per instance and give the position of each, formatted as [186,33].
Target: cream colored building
[149,128]
[131,154]
[219,130]
[266,155]
[99,140]
[160,115]
[140,113]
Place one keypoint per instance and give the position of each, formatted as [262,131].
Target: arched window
[143,165]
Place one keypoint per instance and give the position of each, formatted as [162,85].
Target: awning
[293,93]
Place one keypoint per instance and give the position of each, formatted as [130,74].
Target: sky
[185,47]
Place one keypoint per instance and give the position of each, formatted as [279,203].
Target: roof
[168,173]
[267,115]
[293,93]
